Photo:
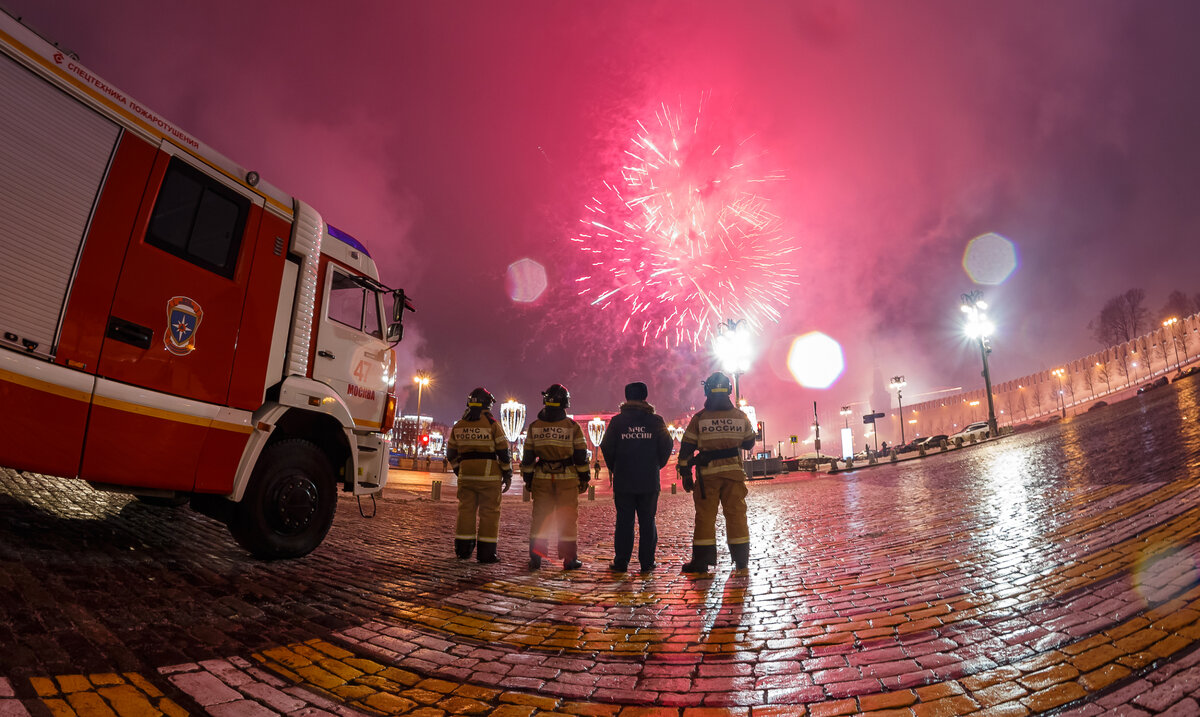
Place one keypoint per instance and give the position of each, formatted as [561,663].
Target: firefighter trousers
[555,512]
[730,495]
[478,497]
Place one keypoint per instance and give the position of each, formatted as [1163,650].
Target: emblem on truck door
[183,320]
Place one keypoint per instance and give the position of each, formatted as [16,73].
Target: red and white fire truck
[174,327]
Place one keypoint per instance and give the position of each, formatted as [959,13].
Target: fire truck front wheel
[289,503]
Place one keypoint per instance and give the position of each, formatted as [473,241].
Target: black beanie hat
[636,391]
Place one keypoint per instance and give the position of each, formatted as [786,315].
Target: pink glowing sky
[456,138]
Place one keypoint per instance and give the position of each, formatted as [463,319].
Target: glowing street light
[732,347]
[676,432]
[1169,324]
[1059,372]
[978,327]
[422,381]
[596,432]
[897,384]
[845,415]
[512,419]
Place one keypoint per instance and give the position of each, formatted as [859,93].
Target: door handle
[325,354]
[129,333]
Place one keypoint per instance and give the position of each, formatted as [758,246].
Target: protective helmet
[557,396]
[480,397]
[717,383]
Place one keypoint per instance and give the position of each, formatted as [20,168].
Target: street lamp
[845,415]
[897,384]
[1061,401]
[978,327]
[1169,324]
[422,381]
[732,347]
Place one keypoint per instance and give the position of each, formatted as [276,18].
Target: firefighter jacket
[555,448]
[636,446]
[478,448]
[716,435]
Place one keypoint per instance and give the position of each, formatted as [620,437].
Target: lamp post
[732,347]
[978,327]
[897,384]
[845,415]
[1061,401]
[512,420]
[1170,324]
[421,381]
[596,434]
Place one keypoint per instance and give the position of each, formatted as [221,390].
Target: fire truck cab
[173,326]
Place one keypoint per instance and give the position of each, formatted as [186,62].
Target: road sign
[795,439]
[870,417]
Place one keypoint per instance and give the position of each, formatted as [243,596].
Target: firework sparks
[681,241]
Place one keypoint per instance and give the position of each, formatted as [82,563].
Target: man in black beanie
[636,446]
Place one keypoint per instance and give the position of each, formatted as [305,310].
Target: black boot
[535,560]
[740,554]
[702,557]
[572,564]
[464,548]
[487,552]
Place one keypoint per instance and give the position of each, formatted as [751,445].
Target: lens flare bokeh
[990,259]
[684,238]
[815,360]
[526,280]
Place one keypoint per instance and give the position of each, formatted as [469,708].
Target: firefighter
[712,444]
[554,467]
[478,453]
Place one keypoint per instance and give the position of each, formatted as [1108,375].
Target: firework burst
[683,239]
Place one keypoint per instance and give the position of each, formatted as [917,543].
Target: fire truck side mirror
[400,303]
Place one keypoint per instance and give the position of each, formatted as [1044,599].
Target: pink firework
[684,240]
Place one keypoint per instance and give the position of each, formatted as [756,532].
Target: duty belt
[478,456]
[703,458]
[551,466]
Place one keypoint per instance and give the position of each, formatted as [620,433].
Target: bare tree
[1179,305]
[1122,318]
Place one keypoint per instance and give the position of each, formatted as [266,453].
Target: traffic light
[759,435]
[424,439]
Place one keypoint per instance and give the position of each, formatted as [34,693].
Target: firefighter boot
[487,552]
[535,560]
[741,555]
[463,548]
[702,557]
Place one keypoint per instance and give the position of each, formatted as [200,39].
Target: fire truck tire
[289,503]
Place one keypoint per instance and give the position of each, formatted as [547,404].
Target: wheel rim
[293,504]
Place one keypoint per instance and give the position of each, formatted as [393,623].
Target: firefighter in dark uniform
[554,467]
[478,453]
[712,444]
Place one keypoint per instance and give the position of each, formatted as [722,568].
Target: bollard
[921,451]
[526,496]
[895,457]
[973,438]
[672,487]
[872,460]
[833,466]
[591,492]
[945,445]
[849,463]
[437,490]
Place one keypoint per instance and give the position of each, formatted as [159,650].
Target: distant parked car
[931,442]
[978,430]
[1096,405]
[1190,371]
[1157,383]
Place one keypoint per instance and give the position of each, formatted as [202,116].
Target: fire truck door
[168,351]
[352,356]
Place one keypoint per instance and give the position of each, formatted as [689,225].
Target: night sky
[455,138]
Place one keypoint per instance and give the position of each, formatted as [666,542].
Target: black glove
[685,476]
[583,482]
[505,481]
[528,479]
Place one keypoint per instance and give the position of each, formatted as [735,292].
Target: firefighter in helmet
[712,444]
[478,452]
[554,467]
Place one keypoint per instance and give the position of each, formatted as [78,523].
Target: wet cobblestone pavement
[1049,571]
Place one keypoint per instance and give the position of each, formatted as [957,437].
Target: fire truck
[173,326]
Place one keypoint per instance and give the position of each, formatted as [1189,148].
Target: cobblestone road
[1053,570]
